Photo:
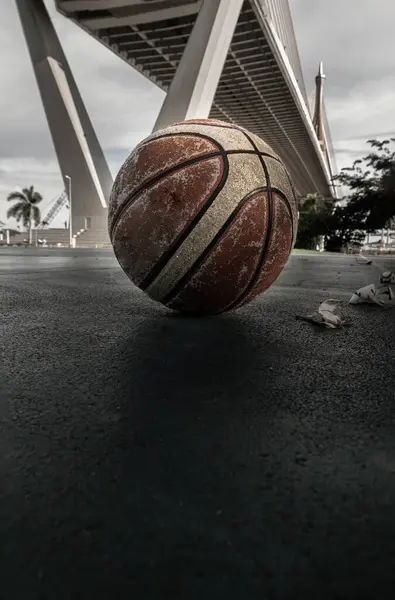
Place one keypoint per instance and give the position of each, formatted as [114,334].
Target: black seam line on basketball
[291,185]
[215,124]
[251,282]
[200,260]
[287,203]
[151,182]
[148,184]
[269,232]
[256,152]
[210,139]
[202,136]
[279,193]
[209,124]
[296,206]
[174,247]
[219,152]
[169,253]
[171,170]
[230,126]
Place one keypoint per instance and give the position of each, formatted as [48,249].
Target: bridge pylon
[195,82]
[81,159]
[319,119]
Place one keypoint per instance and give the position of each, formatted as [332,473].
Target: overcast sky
[354,39]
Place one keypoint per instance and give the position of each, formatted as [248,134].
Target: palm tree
[26,209]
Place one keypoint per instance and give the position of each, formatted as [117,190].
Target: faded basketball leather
[203,216]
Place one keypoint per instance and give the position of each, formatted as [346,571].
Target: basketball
[203,216]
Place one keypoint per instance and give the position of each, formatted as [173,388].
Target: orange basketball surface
[203,216]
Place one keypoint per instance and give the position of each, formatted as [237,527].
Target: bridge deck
[254,89]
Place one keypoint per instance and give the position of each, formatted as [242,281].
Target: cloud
[122,104]
[354,40]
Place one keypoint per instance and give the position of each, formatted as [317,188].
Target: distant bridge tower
[320,124]
[318,120]
[81,160]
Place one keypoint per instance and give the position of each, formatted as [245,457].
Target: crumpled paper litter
[370,294]
[387,277]
[327,315]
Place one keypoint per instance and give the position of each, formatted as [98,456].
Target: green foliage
[25,209]
[370,204]
[371,184]
[314,215]
[343,228]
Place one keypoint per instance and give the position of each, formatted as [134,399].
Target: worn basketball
[203,216]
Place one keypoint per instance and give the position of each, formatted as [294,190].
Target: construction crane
[54,210]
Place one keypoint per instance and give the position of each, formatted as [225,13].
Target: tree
[343,229]
[25,209]
[371,184]
[370,204]
[323,217]
[314,215]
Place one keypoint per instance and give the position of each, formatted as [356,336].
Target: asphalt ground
[148,456]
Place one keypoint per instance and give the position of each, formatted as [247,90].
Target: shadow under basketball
[185,429]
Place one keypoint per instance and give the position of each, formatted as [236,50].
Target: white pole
[70,212]
[31,225]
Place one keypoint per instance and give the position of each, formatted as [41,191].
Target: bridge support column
[80,156]
[193,88]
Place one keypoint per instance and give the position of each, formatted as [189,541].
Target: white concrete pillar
[193,88]
[79,153]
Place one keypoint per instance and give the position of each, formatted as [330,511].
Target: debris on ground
[327,315]
[387,277]
[370,294]
[364,261]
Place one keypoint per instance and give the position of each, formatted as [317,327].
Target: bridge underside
[257,88]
